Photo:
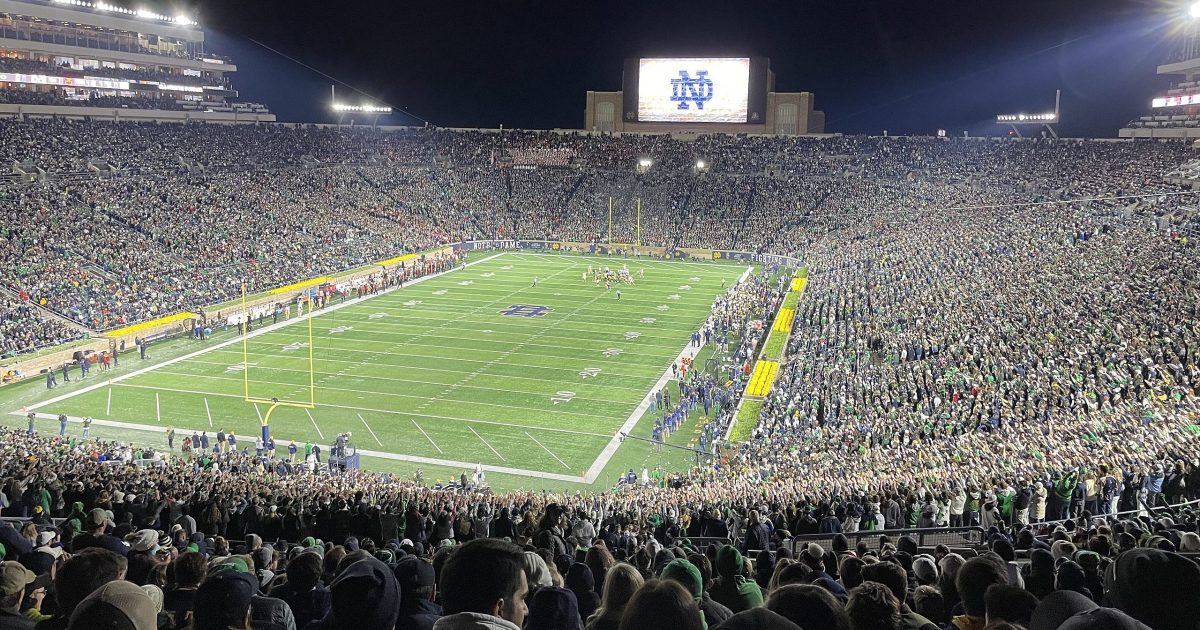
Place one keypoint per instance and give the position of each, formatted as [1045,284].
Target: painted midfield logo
[697,91]
[526,310]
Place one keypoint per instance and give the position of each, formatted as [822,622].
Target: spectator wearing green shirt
[732,588]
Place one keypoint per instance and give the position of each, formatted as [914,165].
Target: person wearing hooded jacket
[732,588]
[1039,573]
[580,581]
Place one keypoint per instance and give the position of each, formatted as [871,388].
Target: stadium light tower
[1044,120]
[1194,11]
[344,109]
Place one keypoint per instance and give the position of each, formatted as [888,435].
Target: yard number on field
[632,335]
[295,346]
[562,397]
[612,352]
[590,372]
[648,320]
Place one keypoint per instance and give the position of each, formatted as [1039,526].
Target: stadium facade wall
[8,110]
[36,367]
[1161,133]
[66,50]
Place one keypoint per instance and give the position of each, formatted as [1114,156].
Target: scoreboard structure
[702,95]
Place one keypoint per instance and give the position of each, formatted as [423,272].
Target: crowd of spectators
[23,329]
[993,334]
[221,541]
[189,211]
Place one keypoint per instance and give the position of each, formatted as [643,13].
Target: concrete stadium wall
[36,367]
[9,110]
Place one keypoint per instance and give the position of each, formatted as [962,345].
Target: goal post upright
[275,402]
[610,241]
[639,222]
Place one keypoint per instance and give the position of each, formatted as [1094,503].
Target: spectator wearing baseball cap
[96,536]
[418,592]
[117,604]
[14,578]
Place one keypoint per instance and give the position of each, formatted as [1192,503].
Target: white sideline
[613,444]
[416,459]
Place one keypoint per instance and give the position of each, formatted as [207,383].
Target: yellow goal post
[276,402]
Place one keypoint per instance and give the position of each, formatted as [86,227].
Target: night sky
[908,67]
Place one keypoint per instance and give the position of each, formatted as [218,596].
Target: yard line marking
[504,342]
[637,260]
[368,428]
[257,412]
[157,410]
[266,329]
[485,443]
[519,327]
[314,423]
[108,406]
[396,395]
[439,449]
[374,410]
[207,412]
[416,459]
[445,358]
[535,441]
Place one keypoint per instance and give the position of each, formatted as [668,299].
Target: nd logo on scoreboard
[686,89]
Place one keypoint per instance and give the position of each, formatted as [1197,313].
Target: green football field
[476,366]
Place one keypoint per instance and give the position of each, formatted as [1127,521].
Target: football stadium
[277,351]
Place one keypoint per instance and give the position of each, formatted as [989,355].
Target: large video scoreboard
[696,90]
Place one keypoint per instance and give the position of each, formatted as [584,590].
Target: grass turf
[437,370]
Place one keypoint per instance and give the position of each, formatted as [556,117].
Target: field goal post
[274,402]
